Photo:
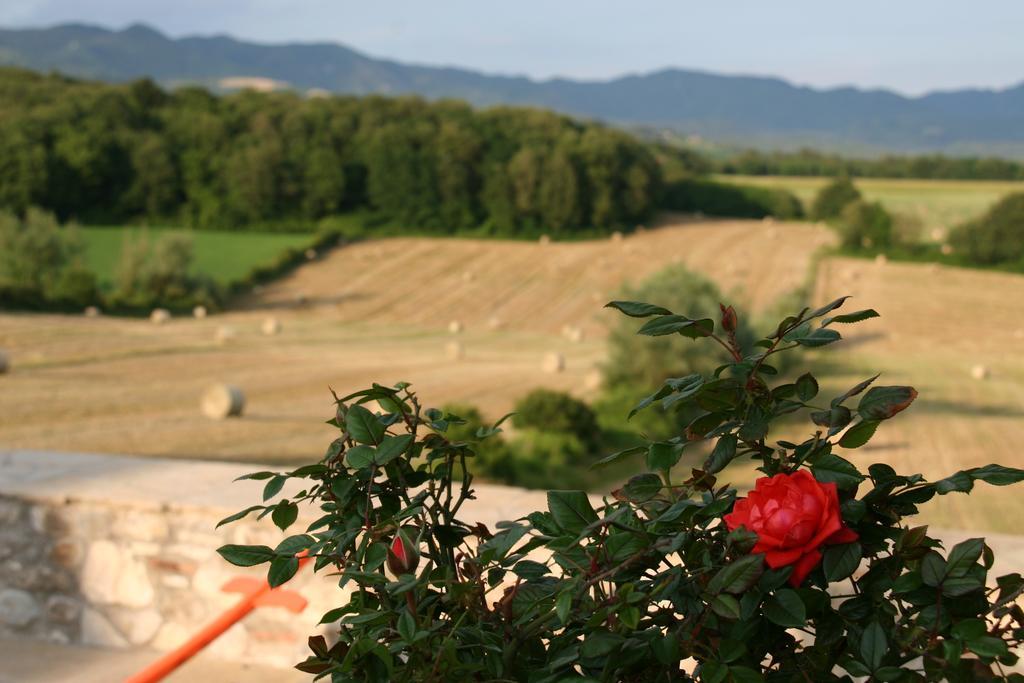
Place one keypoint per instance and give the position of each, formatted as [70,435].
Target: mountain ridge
[762,111]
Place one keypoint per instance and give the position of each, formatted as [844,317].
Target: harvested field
[376,311]
[543,287]
[127,386]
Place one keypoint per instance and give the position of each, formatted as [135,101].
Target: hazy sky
[907,45]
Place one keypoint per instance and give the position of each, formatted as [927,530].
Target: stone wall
[121,552]
[119,573]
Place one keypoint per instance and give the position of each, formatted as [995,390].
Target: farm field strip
[934,204]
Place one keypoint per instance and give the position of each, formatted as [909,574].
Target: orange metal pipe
[162,667]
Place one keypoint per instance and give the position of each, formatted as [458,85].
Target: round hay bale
[199,312]
[271,326]
[980,372]
[92,312]
[311,254]
[454,350]
[455,327]
[573,333]
[592,381]
[5,363]
[222,401]
[616,236]
[159,316]
[495,323]
[224,334]
[946,249]
[553,363]
[544,239]
[881,260]
[938,234]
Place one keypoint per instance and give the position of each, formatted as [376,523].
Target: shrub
[997,237]
[833,198]
[672,567]
[160,274]
[556,412]
[865,225]
[736,201]
[41,263]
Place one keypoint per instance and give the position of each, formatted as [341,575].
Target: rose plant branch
[815,574]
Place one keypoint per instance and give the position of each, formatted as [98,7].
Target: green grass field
[224,256]
[928,204]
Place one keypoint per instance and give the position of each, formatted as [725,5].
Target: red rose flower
[793,515]
[403,556]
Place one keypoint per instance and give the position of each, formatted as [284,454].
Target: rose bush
[793,515]
[814,575]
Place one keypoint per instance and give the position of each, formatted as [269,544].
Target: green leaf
[859,434]
[363,425]
[969,629]
[827,308]
[933,569]
[806,387]
[987,646]
[256,475]
[831,468]
[642,487]
[571,510]
[819,337]
[854,390]
[997,475]
[855,317]
[963,556]
[873,646]
[722,454]
[238,515]
[737,576]
[672,324]
[881,403]
[293,545]
[635,309]
[563,604]
[725,605]
[360,456]
[391,447]
[282,569]
[273,487]
[618,455]
[960,481]
[663,455]
[284,515]
[246,555]
[785,608]
[840,561]
[744,674]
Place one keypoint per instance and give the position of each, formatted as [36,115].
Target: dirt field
[128,386]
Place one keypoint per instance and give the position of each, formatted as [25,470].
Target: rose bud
[729,319]
[793,515]
[403,554]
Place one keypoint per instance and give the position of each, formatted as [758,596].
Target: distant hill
[765,112]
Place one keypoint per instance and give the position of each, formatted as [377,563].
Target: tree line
[809,162]
[100,153]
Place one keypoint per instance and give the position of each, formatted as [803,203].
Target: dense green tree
[833,198]
[997,237]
